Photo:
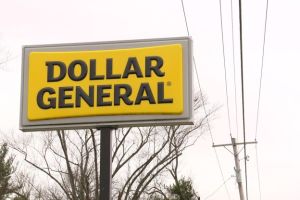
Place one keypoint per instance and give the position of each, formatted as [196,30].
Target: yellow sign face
[133,81]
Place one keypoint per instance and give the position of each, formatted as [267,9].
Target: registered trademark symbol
[169,83]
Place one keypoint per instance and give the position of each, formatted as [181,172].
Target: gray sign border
[186,118]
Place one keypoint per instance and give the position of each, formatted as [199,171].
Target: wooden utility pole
[238,169]
[237,163]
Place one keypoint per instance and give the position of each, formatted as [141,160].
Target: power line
[261,68]
[194,62]
[259,97]
[234,72]
[219,164]
[224,65]
[185,18]
[218,188]
[243,96]
[204,108]
[188,32]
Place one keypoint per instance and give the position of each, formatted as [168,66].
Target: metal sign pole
[105,163]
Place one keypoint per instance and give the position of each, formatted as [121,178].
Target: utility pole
[238,169]
[237,163]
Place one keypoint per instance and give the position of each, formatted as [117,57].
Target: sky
[65,21]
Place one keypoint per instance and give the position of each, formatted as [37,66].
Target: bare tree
[142,159]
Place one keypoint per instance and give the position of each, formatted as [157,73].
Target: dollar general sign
[100,84]
[105,82]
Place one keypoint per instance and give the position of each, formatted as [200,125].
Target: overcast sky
[57,21]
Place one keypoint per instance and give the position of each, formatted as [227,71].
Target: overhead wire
[259,97]
[261,68]
[218,188]
[234,70]
[204,108]
[243,95]
[242,85]
[224,65]
[188,32]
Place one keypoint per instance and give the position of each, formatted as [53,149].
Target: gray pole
[237,162]
[105,164]
[238,169]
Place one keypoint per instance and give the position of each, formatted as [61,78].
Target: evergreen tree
[182,190]
[6,171]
